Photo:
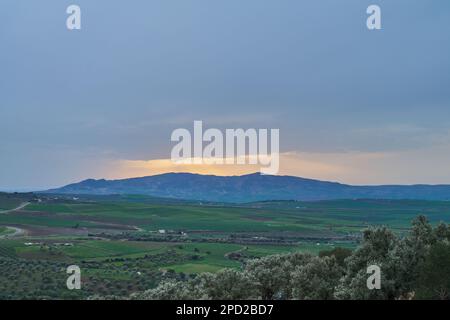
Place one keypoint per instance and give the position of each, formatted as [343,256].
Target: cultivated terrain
[127,244]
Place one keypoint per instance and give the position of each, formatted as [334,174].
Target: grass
[112,258]
[208,256]
[320,218]
[5,231]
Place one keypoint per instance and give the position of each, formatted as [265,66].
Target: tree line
[413,266]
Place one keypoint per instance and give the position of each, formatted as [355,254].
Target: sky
[352,105]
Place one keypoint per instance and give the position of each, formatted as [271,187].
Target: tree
[172,290]
[228,284]
[269,276]
[422,230]
[412,265]
[434,273]
[376,249]
[317,279]
[442,232]
[339,253]
[273,274]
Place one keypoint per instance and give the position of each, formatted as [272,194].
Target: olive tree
[228,284]
[317,279]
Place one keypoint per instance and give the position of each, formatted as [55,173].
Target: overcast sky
[352,105]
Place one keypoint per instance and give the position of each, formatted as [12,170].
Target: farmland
[126,244]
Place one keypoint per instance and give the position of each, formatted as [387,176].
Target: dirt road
[22,206]
[17,232]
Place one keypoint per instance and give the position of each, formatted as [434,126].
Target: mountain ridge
[250,187]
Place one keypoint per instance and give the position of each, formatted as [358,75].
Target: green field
[4,231]
[10,201]
[125,244]
[310,218]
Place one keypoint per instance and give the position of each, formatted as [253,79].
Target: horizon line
[39,189]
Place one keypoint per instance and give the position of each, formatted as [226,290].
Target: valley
[128,243]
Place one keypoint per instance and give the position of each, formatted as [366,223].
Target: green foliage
[228,284]
[171,290]
[339,253]
[376,248]
[271,275]
[213,251]
[295,275]
[434,273]
[418,264]
[317,279]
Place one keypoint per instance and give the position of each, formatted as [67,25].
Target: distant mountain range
[249,188]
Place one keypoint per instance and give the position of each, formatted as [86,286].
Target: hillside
[248,188]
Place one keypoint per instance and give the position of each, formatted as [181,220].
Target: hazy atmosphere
[352,105]
[225,155]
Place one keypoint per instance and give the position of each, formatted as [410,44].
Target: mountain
[249,188]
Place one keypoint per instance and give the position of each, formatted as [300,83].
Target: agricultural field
[5,231]
[127,244]
[10,201]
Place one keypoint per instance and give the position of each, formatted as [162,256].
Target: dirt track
[22,205]
[17,232]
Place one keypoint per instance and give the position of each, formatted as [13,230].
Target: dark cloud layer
[137,70]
